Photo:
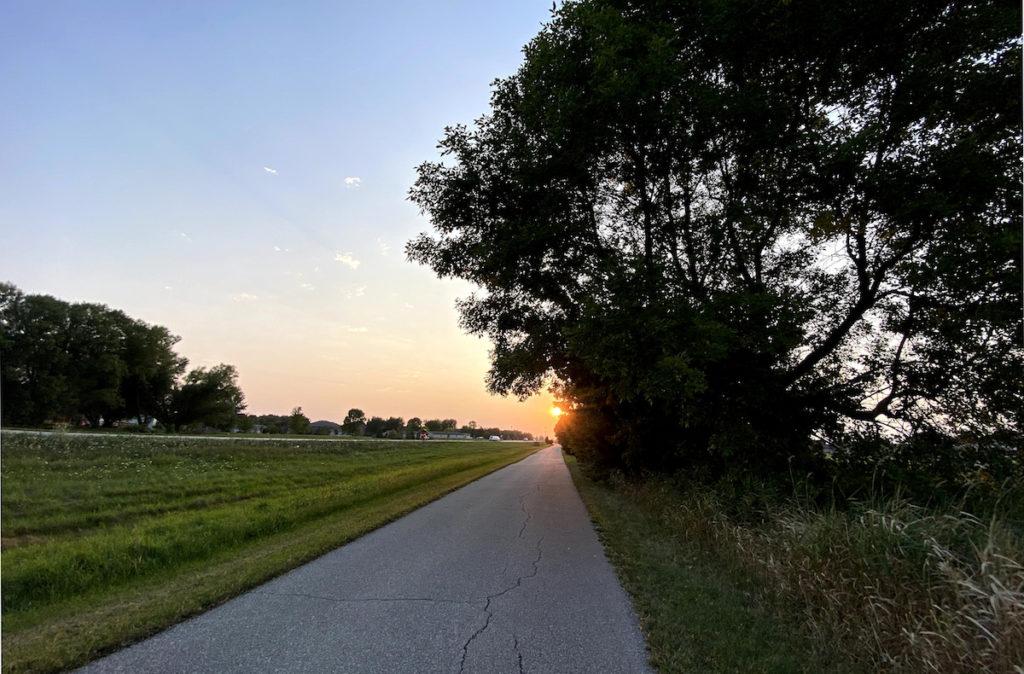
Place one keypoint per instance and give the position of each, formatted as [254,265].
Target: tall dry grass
[889,585]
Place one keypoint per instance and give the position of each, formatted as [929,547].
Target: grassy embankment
[108,539]
[787,587]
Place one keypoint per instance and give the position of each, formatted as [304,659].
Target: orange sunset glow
[268,235]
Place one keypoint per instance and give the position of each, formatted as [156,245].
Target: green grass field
[107,539]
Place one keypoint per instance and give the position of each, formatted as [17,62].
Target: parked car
[494,437]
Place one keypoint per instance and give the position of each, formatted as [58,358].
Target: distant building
[149,425]
[449,435]
[324,427]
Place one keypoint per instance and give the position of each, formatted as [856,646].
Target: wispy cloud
[279,249]
[271,171]
[307,286]
[359,329]
[168,288]
[244,297]
[347,259]
[353,182]
[185,236]
[383,246]
[357,291]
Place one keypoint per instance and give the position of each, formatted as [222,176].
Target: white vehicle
[495,437]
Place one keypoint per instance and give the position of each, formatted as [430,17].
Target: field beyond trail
[109,538]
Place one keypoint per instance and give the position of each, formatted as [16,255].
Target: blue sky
[238,173]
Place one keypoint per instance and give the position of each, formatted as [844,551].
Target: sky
[238,173]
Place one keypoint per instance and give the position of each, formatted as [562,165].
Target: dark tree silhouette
[723,228]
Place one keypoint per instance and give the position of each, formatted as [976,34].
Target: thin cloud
[185,236]
[271,171]
[244,297]
[353,182]
[359,329]
[383,246]
[279,249]
[307,286]
[347,259]
[358,291]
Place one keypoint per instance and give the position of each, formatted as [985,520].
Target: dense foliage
[79,363]
[730,232]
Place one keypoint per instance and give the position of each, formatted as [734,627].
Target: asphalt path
[503,575]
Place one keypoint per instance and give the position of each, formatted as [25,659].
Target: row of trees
[356,423]
[80,363]
[296,423]
[733,231]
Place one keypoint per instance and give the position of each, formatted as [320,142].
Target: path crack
[522,506]
[522,529]
[519,653]
[474,635]
[491,597]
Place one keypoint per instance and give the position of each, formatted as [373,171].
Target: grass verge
[696,614]
[109,539]
[788,586]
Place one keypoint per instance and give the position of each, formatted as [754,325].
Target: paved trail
[503,575]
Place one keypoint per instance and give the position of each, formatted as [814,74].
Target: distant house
[135,422]
[324,427]
[448,435]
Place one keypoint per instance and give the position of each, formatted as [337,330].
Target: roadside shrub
[932,468]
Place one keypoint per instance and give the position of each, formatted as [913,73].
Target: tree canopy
[298,422]
[65,362]
[208,397]
[723,229]
[355,422]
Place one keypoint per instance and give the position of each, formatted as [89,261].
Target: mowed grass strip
[108,539]
[697,613]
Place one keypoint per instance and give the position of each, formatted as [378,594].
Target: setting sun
[556,412]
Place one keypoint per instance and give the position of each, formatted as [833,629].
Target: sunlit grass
[109,538]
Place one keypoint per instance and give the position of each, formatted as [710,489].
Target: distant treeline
[356,423]
[85,364]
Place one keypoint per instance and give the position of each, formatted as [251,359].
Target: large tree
[152,370]
[298,423]
[208,397]
[355,422]
[413,427]
[61,361]
[375,427]
[721,227]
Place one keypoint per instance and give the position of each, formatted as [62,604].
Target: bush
[932,468]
